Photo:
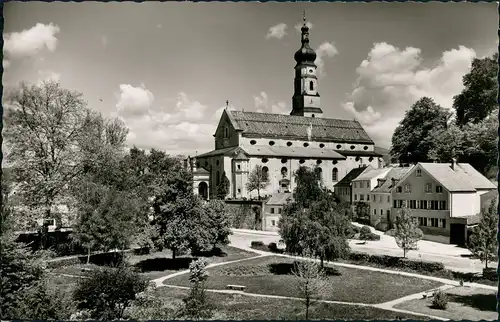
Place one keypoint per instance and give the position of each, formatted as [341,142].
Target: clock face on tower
[311,101]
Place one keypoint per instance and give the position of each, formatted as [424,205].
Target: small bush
[393,261]
[257,243]
[440,301]
[272,247]
[365,230]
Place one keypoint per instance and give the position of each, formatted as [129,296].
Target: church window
[318,162]
[239,190]
[335,173]
[289,143]
[352,147]
[310,71]
[311,86]
[264,160]
[253,142]
[301,161]
[370,159]
[312,115]
[284,171]
[365,148]
[306,145]
[339,146]
[357,158]
[239,167]
[271,143]
[265,171]
[284,160]
[321,145]
[334,161]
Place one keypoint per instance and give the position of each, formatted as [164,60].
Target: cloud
[104,40]
[278,31]
[30,42]
[134,100]
[184,125]
[159,26]
[299,26]
[324,51]
[48,75]
[262,105]
[391,79]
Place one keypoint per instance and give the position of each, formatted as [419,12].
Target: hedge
[105,258]
[398,262]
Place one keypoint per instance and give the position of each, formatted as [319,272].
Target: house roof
[463,178]
[280,198]
[353,174]
[293,127]
[277,151]
[394,173]
[371,173]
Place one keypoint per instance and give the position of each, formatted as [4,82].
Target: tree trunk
[307,308]
[486,261]
[173,253]
[88,256]
[404,252]
[258,193]
[321,262]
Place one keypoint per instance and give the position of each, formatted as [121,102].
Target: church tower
[306,100]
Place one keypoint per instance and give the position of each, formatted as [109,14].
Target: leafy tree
[108,292]
[196,305]
[323,227]
[308,187]
[311,282]
[406,231]
[223,187]
[483,241]
[479,96]
[148,307]
[107,218]
[257,180]
[181,225]
[409,144]
[446,143]
[43,132]
[217,222]
[362,210]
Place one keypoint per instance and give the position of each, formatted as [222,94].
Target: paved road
[451,256]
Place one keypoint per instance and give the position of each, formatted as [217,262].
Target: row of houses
[444,198]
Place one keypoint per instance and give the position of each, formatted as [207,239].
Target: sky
[167,69]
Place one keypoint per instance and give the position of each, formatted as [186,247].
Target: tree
[311,282]
[446,144]
[308,187]
[107,218]
[44,126]
[406,231]
[108,292]
[223,187]
[196,305]
[362,210]
[257,180]
[483,242]
[322,227]
[217,222]
[479,96]
[409,144]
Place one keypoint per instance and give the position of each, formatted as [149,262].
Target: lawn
[272,275]
[465,303]
[241,307]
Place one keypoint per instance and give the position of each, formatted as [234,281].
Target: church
[282,143]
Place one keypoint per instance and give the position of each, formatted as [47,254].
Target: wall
[465,204]
[269,217]
[380,201]
[221,141]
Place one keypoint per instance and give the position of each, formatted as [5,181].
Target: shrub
[371,236]
[490,274]
[273,247]
[256,243]
[440,301]
[107,292]
[365,230]
[393,261]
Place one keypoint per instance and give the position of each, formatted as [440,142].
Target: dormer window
[253,142]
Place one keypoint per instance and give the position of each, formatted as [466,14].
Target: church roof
[277,151]
[293,127]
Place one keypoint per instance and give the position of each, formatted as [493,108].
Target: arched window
[335,173]
[264,160]
[334,161]
[217,177]
[284,160]
[284,171]
[319,173]
[311,86]
[312,115]
[318,162]
[265,171]
[302,161]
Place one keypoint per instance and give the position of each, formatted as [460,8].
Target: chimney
[453,163]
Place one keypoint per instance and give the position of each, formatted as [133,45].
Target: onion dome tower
[306,99]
